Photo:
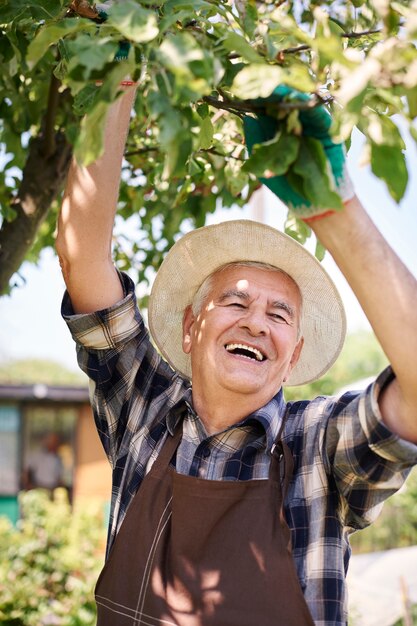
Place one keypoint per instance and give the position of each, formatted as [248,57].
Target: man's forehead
[243,277]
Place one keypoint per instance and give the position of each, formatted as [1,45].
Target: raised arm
[387,292]
[87,216]
[384,287]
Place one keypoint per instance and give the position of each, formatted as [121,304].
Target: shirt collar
[269,417]
[179,410]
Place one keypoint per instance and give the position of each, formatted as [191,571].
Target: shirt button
[206,452]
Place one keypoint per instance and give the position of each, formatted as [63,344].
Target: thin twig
[361,34]
[225,156]
[143,150]
[303,47]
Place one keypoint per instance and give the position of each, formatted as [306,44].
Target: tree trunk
[42,181]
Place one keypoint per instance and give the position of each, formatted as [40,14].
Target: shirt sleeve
[128,377]
[368,462]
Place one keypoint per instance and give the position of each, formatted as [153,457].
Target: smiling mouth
[247,351]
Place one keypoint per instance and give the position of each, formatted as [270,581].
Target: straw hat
[199,253]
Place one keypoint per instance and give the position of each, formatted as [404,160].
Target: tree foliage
[200,65]
[361,358]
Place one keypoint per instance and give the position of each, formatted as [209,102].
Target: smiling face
[244,341]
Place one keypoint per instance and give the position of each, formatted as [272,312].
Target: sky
[30,322]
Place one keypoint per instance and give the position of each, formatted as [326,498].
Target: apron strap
[281,452]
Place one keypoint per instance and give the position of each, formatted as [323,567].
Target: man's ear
[187,324]
[294,359]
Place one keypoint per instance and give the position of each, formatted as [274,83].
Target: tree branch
[254,106]
[303,47]
[48,130]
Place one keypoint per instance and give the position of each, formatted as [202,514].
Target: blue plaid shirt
[346,462]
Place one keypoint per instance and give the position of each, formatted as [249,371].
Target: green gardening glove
[303,186]
[124,46]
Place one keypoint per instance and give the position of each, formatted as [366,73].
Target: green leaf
[194,167]
[320,251]
[85,99]
[6,49]
[90,142]
[133,22]
[174,134]
[248,15]
[191,65]
[312,167]
[178,51]
[52,33]
[257,81]
[388,163]
[235,178]
[328,42]
[206,133]
[275,155]
[335,28]
[195,7]
[89,54]
[203,110]
[182,55]
[411,95]
[293,123]
[296,228]
[234,42]
[382,131]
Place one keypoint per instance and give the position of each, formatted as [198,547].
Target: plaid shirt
[346,462]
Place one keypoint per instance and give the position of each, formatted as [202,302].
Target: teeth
[240,346]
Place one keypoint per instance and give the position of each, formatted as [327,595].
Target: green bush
[49,563]
[412,616]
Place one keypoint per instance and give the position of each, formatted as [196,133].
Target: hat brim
[199,253]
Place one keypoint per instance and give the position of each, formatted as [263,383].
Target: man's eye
[278,317]
[239,305]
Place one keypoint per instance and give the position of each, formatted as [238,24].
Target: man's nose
[255,322]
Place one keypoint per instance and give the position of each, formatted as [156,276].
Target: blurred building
[31,415]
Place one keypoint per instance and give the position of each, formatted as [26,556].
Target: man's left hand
[315,124]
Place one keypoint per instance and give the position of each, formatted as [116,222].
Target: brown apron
[195,552]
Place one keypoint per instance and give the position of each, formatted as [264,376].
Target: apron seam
[162,621]
[149,561]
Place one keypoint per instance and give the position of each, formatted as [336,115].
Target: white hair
[206,286]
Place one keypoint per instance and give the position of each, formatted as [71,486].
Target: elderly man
[231,507]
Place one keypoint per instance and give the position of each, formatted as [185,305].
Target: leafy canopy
[200,64]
